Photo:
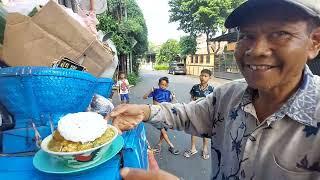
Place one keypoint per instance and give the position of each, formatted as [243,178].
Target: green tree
[168,51]
[188,45]
[153,48]
[125,23]
[201,16]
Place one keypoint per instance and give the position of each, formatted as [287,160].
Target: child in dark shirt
[199,91]
[160,95]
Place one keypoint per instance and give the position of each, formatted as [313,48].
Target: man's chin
[259,85]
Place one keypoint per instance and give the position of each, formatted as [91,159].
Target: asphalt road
[194,168]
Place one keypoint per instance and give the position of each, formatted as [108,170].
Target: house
[201,59]
[225,65]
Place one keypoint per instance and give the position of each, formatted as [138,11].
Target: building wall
[231,46]
[194,66]
[197,62]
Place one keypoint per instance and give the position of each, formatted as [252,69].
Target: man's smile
[259,67]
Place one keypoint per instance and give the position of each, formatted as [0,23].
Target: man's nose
[260,47]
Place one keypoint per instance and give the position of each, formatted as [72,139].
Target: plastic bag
[108,73]
[100,105]
[6,120]
[22,6]
[90,20]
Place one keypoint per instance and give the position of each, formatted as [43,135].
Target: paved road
[194,168]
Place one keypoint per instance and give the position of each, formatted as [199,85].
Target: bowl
[79,159]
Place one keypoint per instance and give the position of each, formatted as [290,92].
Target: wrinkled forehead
[277,15]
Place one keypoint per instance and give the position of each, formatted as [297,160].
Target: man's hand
[128,116]
[133,174]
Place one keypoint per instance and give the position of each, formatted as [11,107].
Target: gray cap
[311,7]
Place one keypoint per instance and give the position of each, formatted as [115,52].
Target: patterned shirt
[285,146]
[161,95]
[123,86]
[196,92]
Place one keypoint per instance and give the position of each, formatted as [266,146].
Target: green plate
[48,164]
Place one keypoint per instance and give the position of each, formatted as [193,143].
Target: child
[160,95]
[123,90]
[198,91]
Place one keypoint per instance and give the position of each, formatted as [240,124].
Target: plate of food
[82,141]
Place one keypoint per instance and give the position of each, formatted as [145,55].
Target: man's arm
[145,96]
[195,118]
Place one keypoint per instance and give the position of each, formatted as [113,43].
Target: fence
[226,67]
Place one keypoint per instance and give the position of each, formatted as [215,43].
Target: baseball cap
[310,7]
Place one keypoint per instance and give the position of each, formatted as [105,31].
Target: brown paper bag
[50,35]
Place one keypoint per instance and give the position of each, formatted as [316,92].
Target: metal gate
[226,67]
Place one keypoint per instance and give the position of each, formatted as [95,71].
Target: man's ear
[315,46]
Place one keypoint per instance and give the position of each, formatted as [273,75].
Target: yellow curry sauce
[59,144]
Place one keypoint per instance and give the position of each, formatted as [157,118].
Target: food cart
[37,93]
[31,95]
[133,154]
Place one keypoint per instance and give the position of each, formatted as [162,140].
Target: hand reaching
[133,174]
[128,116]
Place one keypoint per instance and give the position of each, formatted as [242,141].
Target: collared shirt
[285,146]
[161,95]
[196,92]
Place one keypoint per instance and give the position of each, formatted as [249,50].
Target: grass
[161,67]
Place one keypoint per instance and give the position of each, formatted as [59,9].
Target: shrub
[133,78]
[161,67]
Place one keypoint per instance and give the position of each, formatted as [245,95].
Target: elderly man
[264,128]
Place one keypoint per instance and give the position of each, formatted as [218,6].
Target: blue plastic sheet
[134,155]
[135,150]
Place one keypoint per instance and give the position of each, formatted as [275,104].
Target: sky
[156,14]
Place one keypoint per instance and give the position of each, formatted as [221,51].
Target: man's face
[204,78]
[272,52]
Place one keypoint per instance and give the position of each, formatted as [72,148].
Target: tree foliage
[201,16]
[153,48]
[188,45]
[125,23]
[168,52]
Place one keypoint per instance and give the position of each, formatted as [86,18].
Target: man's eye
[280,34]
